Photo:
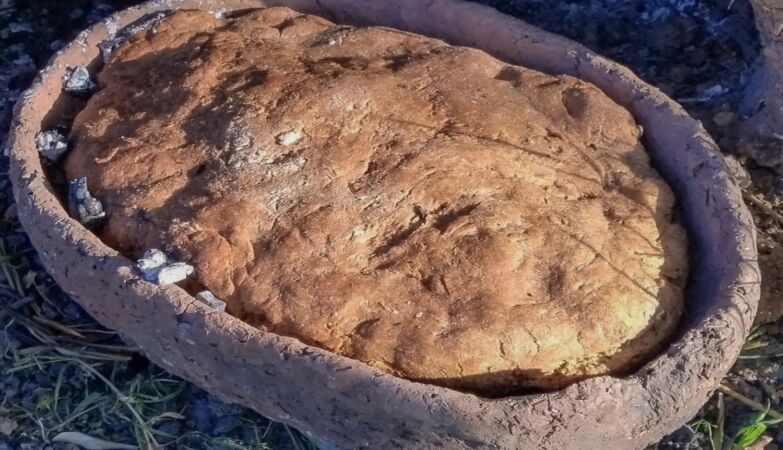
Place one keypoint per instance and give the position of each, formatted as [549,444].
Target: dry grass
[84,378]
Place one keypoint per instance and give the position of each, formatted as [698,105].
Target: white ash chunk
[174,273]
[156,267]
[51,145]
[19,27]
[77,81]
[219,13]
[88,209]
[117,37]
[150,264]
[209,299]
[289,137]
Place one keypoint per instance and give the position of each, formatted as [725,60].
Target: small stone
[713,91]
[57,45]
[209,299]
[174,273]
[419,315]
[150,264]
[289,137]
[20,27]
[83,205]
[51,145]
[723,118]
[77,81]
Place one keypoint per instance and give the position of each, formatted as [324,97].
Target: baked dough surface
[424,208]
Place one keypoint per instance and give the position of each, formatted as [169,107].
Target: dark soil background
[61,372]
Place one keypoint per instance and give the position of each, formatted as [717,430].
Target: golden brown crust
[421,207]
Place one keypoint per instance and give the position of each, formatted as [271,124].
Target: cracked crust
[439,215]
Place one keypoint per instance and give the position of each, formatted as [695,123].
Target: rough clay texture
[424,208]
[354,405]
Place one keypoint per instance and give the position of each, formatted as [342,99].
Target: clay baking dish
[348,404]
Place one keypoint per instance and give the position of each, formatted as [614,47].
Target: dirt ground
[61,372]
